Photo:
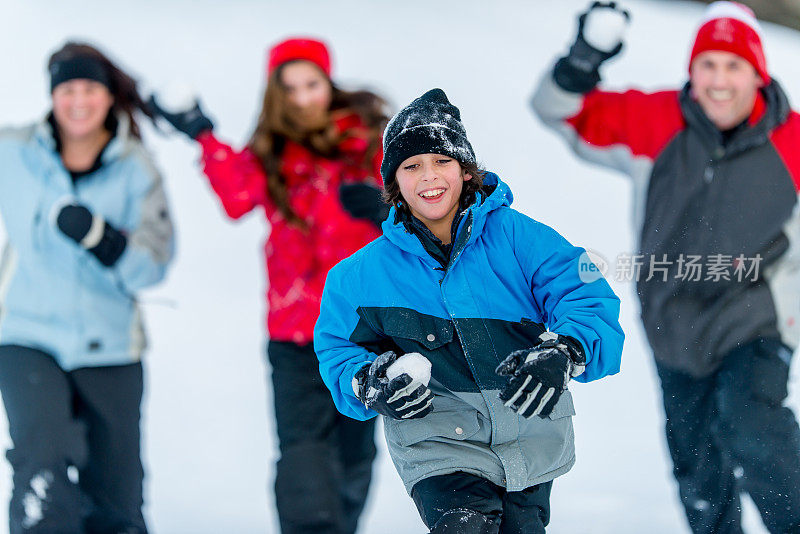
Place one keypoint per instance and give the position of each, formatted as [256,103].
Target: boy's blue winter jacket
[509,279]
[54,295]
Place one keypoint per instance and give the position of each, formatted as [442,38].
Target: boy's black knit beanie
[428,125]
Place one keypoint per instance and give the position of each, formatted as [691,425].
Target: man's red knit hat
[296,48]
[732,27]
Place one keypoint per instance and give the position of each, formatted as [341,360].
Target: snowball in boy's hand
[414,364]
[176,97]
[605,28]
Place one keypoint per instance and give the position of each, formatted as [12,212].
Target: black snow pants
[325,467]
[729,432]
[75,458]
[462,503]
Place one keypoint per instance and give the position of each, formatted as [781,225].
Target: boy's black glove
[539,375]
[364,201]
[191,121]
[399,398]
[600,32]
[92,232]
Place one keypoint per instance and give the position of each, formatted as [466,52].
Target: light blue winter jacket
[509,278]
[54,295]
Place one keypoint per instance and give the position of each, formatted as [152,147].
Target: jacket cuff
[572,79]
[576,353]
[206,138]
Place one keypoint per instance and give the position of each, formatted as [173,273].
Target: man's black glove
[600,32]
[539,375]
[364,201]
[191,120]
[92,232]
[399,398]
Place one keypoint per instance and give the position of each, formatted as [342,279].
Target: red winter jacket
[298,260]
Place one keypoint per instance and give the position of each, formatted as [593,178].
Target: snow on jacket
[509,278]
[298,260]
[697,196]
[54,295]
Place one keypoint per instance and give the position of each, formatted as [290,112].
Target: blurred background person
[88,226]
[716,180]
[313,165]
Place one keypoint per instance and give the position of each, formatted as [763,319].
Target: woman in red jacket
[313,165]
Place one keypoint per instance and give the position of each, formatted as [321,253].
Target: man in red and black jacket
[716,172]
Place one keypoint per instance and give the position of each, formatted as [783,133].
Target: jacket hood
[495,194]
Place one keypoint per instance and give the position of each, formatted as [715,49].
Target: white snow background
[209,438]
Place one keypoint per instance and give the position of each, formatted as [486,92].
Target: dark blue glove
[364,201]
[399,398]
[191,122]
[92,232]
[539,375]
[578,71]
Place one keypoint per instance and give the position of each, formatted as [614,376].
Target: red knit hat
[732,27]
[296,48]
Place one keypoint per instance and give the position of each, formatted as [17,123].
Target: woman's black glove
[364,201]
[191,120]
[92,232]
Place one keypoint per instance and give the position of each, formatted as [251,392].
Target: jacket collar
[771,109]
[432,244]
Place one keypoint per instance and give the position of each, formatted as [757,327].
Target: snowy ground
[209,437]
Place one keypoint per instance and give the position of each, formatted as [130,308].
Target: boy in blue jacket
[500,306]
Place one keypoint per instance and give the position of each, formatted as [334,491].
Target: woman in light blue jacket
[87,226]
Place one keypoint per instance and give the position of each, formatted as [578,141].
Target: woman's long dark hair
[275,126]
[127,99]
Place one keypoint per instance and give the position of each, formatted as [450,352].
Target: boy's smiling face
[431,186]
